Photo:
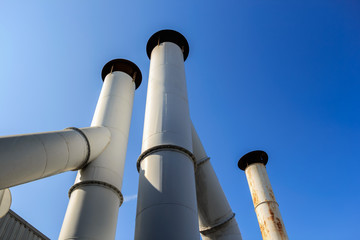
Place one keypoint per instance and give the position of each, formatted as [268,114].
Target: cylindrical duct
[266,207]
[216,219]
[5,201]
[95,197]
[29,157]
[166,205]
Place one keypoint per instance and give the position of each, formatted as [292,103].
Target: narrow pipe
[166,205]
[266,207]
[96,195]
[28,157]
[216,219]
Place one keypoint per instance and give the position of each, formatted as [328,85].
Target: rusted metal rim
[167,35]
[257,156]
[100,183]
[125,66]
[165,147]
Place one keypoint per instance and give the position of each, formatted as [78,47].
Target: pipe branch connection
[28,157]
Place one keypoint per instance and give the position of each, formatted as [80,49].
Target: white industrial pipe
[166,204]
[266,207]
[5,201]
[28,157]
[96,195]
[216,219]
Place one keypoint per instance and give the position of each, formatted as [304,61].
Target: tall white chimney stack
[96,195]
[166,206]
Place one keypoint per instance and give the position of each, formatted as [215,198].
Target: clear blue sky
[281,76]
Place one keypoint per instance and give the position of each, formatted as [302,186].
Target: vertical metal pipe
[216,219]
[166,205]
[266,207]
[96,195]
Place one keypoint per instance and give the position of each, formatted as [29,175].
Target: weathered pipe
[28,157]
[166,205]
[216,219]
[266,207]
[96,195]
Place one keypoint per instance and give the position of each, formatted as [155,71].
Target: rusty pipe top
[257,156]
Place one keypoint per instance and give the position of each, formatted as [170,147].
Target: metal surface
[5,201]
[28,157]
[96,195]
[166,206]
[266,207]
[216,219]
[13,227]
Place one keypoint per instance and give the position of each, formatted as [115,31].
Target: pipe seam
[167,147]
[99,183]
[267,201]
[87,144]
[178,204]
[202,161]
[46,155]
[215,228]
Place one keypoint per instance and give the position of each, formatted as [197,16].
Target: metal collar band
[165,147]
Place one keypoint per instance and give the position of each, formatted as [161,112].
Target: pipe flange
[266,201]
[215,228]
[87,143]
[202,161]
[167,147]
[100,183]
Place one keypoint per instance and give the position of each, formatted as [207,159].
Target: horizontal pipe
[28,157]
[216,219]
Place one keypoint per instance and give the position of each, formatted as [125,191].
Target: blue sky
[281,76]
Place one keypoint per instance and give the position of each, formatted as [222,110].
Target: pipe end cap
[167,35]
[125,66]
[257,156]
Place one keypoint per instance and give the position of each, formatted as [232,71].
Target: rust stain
[265,232]
[271,193]
[251,184]
[255,198]
[279,226]
[277,221]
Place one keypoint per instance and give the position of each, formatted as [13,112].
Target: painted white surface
[213,208]
[29,157]
[166,206]
[93,206]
